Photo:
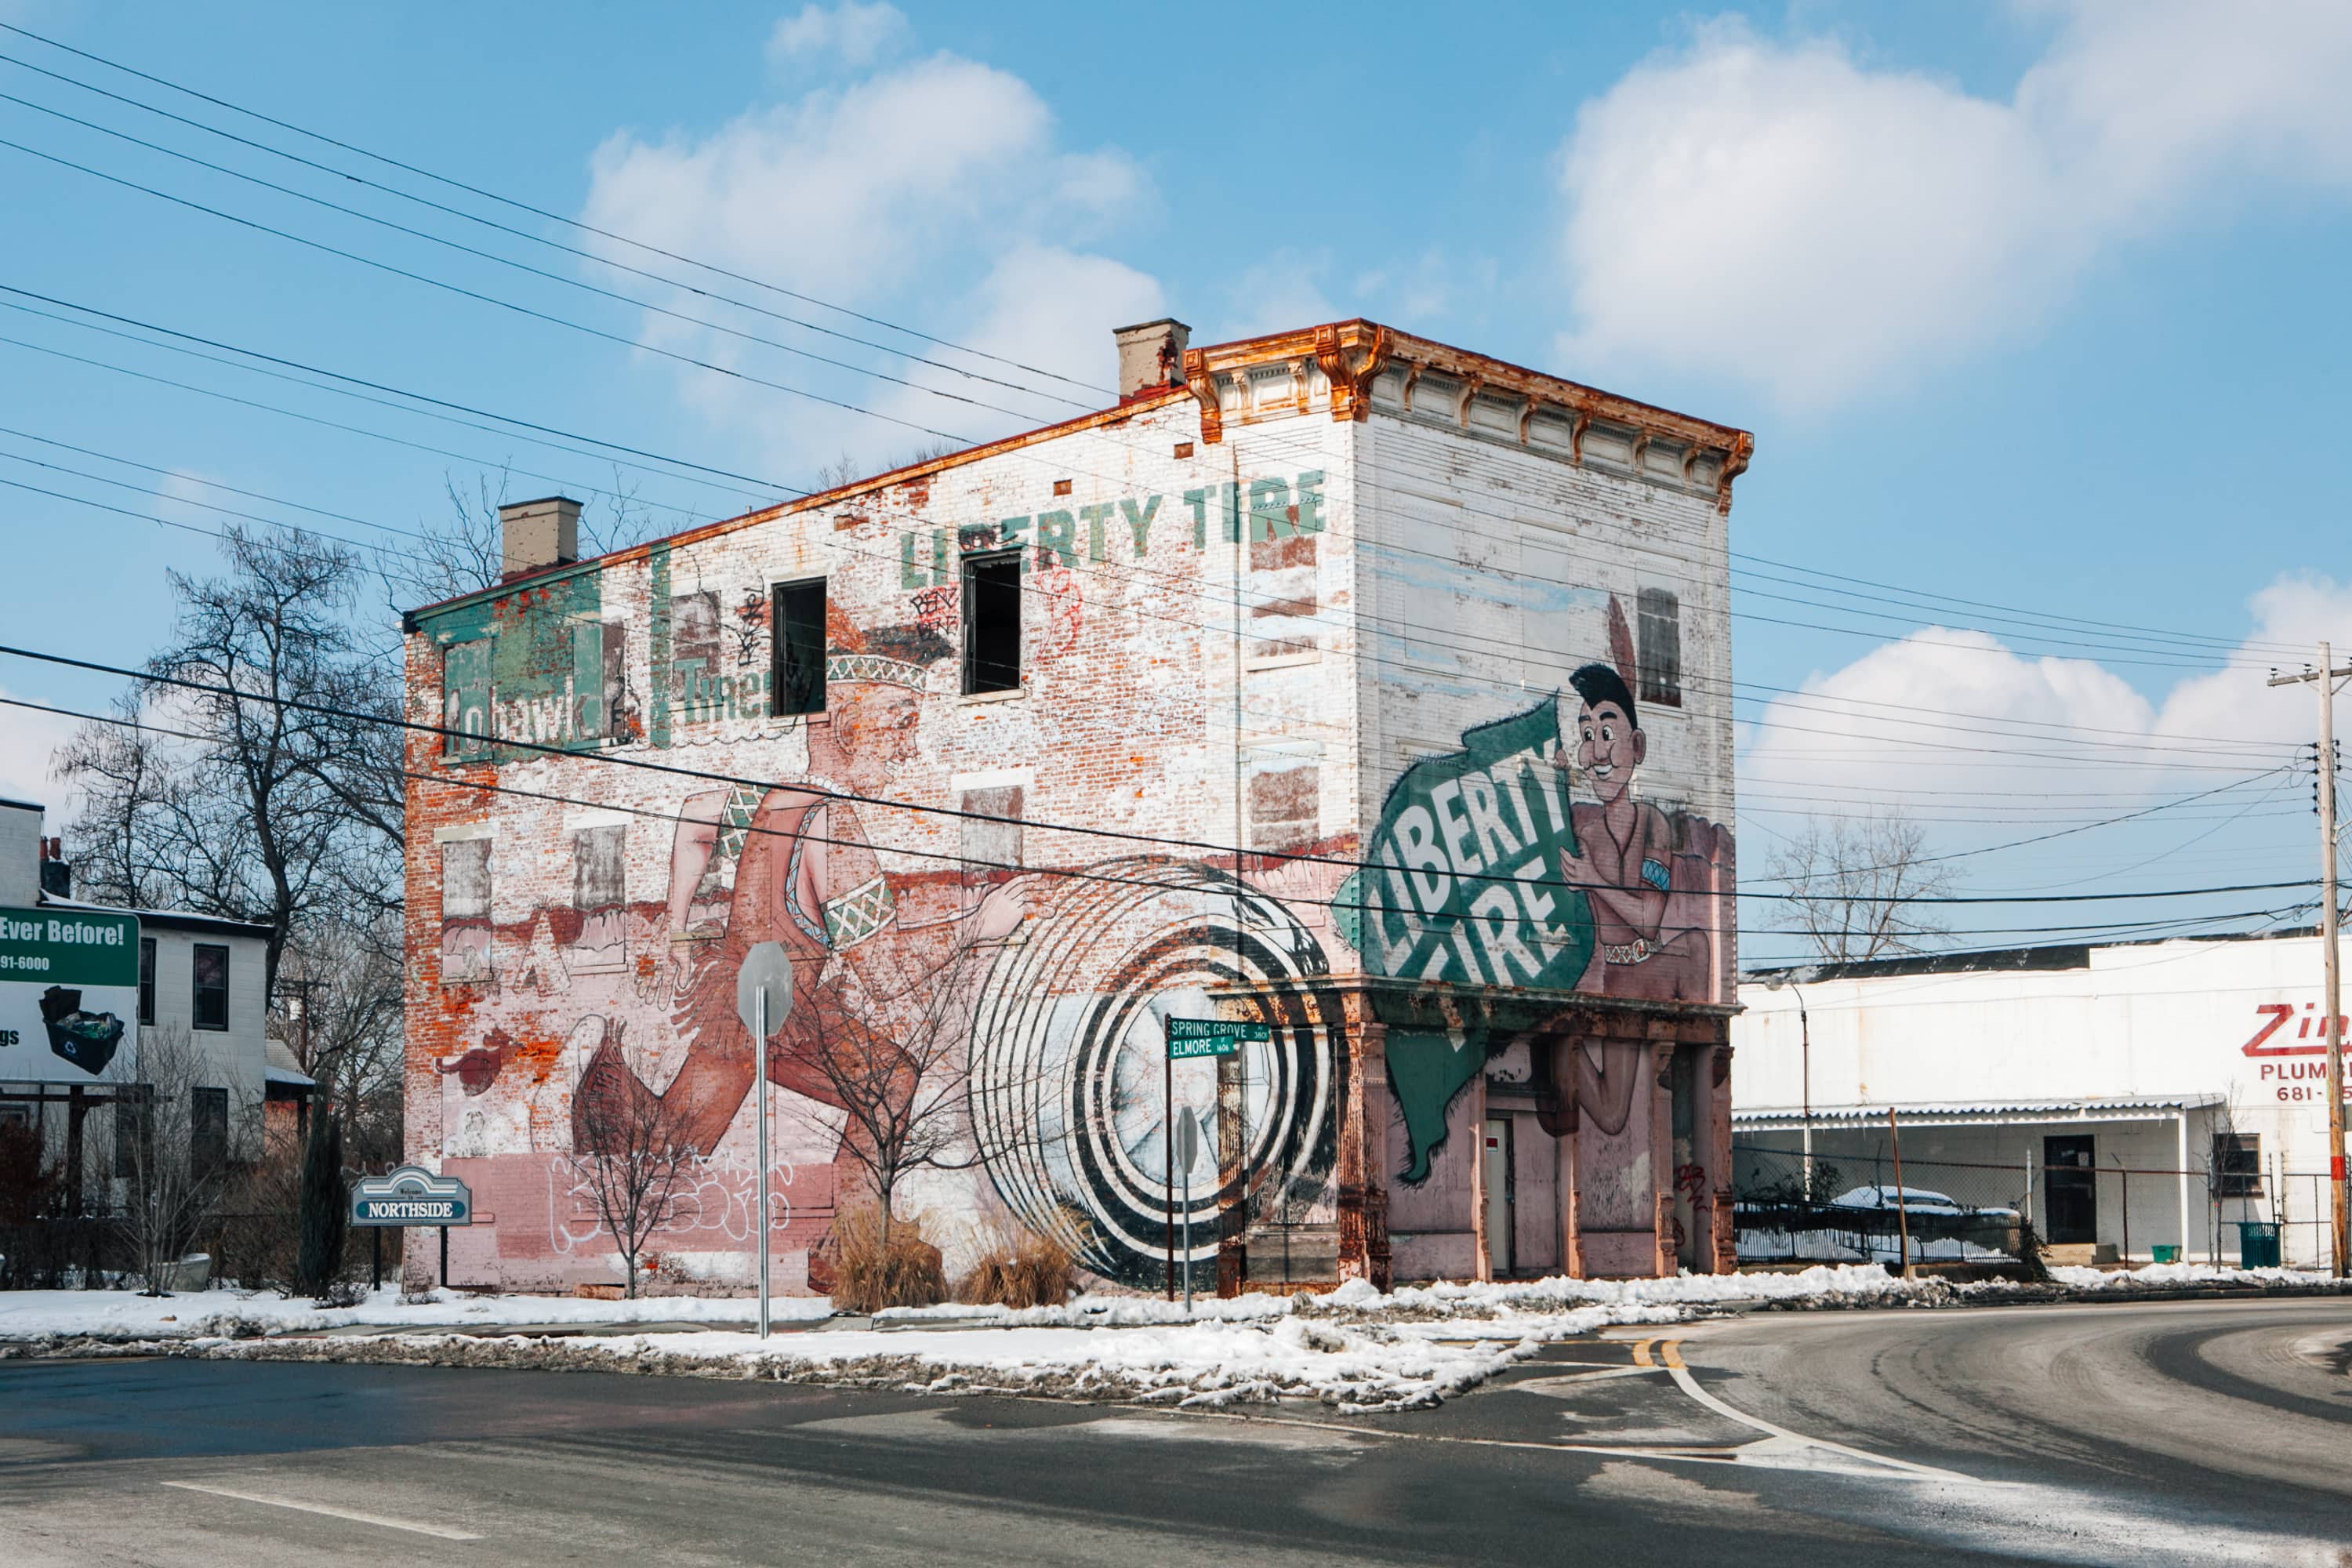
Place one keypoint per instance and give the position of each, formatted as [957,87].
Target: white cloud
[29,741]
[1914,724]
[853,34]
[1782,214]
[936,192]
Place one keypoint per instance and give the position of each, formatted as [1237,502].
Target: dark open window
[991,622]
[2236,1164]
[208,1133]
[1661,634]
[134,1125]
[796,681]
[212,987]
[146,979]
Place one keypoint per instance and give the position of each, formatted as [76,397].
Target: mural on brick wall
[1486,872]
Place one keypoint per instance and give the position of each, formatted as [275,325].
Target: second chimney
[539,534]
[1150,356]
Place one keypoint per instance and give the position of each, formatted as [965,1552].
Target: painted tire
[1067,1043]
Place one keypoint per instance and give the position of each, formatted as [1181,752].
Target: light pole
[1805,1038]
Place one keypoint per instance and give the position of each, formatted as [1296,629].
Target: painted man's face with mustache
[1609,747]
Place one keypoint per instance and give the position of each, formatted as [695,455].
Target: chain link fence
[1847,1206]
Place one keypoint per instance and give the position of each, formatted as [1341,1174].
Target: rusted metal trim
[1202,385]
[1352,378]
[1472,384]
[1735,463]
[1576,430]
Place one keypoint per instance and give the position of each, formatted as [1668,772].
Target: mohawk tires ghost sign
[68,990]
[1467,890]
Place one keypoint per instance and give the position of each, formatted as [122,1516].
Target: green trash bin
[2258,1244]
[2163,1252]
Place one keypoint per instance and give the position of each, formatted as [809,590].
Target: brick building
[1337,680]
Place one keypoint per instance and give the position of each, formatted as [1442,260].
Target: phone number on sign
[30,961]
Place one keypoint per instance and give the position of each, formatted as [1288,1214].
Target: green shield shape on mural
[1466,889]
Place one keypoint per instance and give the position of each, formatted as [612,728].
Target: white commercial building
[2138,1096]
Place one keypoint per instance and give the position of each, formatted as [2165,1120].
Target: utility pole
[2325,677]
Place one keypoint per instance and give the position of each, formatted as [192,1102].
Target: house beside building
[2123,1098]
[71,1037]
[1363,689]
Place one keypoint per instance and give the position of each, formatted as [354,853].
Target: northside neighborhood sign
[411,1195]
[69,993]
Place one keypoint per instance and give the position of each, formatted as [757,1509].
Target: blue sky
[2037,305]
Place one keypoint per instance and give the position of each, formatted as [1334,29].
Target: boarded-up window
[600,679]
[599,892]
[992,834]
[1661,635]
[465,698]
[694,656]
[465,911]
[598,881]
[1284,803]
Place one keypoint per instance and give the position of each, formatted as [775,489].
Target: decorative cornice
[1354,355]
[1349,361]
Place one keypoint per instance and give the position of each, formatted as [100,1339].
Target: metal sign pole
[1168,1131]
[760,1095]
[1188,1238]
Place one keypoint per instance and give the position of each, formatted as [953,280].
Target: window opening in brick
[2236,1164]
[465,698]
[991,622]
[208,1133]
[465,910]
[1661,635]
[796,681]
[1283,807]
[212,986]
[146,979]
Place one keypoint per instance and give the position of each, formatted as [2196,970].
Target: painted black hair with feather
[1599,683]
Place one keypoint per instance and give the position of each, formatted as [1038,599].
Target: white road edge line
[1689,1384]
[352,1514]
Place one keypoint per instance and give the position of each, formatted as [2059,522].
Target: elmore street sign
[1211,1037]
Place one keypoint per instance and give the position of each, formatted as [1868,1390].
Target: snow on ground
[30,1314]
[1355,1348]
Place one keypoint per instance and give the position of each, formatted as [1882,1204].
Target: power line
[572,224]
[963,813]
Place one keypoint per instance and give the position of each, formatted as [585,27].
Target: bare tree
[896,1074]
[463,550]
[1856,886]
[632,1153]
[338,1013]
[174,1136]
[245,808]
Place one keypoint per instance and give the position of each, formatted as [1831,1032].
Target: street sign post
[407,1195]
[1188,1148]
[1189,1037]
[763,999]
[69,993]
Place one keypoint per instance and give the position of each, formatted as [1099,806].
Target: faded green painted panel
[512,669]
[1468,891]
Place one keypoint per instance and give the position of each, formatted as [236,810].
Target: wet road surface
[2202,1432]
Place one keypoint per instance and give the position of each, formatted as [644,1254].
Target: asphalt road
[2208,1432]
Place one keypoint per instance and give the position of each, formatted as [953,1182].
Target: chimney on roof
[540,533]
[1150,356]
[56,874]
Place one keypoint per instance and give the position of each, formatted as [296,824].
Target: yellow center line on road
[354,1515]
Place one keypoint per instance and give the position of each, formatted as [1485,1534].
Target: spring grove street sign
[1211,1037]
[411,1195]
[68,993]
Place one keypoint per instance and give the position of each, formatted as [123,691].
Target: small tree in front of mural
[895,1081]
[632,1153]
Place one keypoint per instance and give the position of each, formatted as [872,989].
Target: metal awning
[1973,1113]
